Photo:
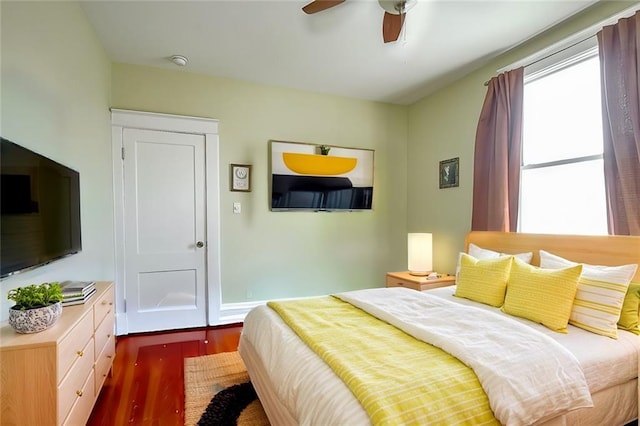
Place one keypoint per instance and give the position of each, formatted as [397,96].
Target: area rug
[218,391]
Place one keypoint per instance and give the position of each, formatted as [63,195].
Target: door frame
[207,127]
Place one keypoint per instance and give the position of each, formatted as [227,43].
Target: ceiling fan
[394,13]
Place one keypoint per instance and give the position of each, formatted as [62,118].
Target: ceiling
[338,51]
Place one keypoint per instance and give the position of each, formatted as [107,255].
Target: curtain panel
[619,49]
[496,174]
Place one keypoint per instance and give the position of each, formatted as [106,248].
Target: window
[562,176]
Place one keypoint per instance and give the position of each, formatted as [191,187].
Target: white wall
[56,82]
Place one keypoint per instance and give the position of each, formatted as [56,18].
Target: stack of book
[77,292]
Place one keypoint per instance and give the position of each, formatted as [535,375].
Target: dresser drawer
[72,386]
[104,332]
[71,347]
[104,362]
[398,282]
[82,406]
[43,374]
[103,307]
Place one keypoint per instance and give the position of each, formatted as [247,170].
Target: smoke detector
[179,60]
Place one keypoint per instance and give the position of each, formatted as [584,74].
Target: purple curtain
[619,47]
[496,174]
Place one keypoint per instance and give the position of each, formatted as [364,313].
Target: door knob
[199,244]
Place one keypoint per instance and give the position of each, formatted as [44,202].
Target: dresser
[54,377]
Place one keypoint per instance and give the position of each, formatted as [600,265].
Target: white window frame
[565,58]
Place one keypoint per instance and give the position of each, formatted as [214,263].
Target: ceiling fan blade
[392,26]
[320,5]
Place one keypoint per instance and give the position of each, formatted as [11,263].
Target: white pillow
[482,254]
[600,295]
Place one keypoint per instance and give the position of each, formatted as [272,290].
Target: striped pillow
[542,296]
[600,295]
[483,281]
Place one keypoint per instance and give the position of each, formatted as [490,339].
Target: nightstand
[405,279]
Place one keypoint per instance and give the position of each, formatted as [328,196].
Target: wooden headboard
[596,250]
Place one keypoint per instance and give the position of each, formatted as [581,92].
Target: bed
[297,386]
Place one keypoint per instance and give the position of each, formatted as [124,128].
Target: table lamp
[420,247]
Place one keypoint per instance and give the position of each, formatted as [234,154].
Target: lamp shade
[420,253]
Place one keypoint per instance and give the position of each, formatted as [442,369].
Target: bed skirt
[276,412]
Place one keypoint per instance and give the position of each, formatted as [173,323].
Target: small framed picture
[240,177]
[449,176]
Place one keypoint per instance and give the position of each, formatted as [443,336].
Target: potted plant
[37,307]
[324,149]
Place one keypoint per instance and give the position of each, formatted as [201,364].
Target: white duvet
[314,395]
[527,376]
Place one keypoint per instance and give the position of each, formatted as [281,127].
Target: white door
[164,230]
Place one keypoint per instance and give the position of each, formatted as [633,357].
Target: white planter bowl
[34,320]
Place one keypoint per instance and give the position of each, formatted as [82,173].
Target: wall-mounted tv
[320,177]
[40,209]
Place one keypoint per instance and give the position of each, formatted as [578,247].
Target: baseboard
[230,313]
[235,312]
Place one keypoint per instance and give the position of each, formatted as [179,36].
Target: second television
[314,177]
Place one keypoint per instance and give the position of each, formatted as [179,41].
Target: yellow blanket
[396,378]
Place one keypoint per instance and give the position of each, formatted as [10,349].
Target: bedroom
[64,83]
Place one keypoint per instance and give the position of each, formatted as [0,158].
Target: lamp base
[419,273]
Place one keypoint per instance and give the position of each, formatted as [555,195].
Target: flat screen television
[320,177]
[40,209]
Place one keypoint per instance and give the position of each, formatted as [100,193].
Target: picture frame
[449,173]
[240,177]
[320,177]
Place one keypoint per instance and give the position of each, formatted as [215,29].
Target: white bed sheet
[604,361]
[313,394]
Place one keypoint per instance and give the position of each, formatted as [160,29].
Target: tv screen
[40,209]
[320,177]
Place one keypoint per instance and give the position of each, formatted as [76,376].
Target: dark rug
[226,406]
[218,391]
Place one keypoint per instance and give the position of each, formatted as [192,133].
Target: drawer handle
[79,393]
[80,353]
[108,336]
[109,356]
[104,302]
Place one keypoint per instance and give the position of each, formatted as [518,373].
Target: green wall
[288,254]
[443,125]
[58,84]
[55,82]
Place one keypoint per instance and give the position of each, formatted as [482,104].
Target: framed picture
[449,175]
[240,177]
[320,177]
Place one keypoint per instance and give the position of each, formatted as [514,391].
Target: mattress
[308,390]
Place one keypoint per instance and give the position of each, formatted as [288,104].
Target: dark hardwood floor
[147,384]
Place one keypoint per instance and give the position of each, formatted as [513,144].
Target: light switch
[237,207]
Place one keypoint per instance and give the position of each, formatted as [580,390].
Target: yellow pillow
[542,295]
[629,314]
[483,281]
